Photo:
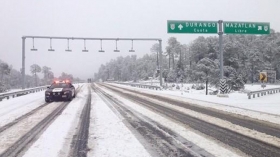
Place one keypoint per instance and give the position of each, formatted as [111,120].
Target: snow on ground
[11,135]
[11,91]
[219,122]
[254,87]
[265,108]
[16,107]
[16,90]
[206,144]
[56,139]
[108,135]
[184,86]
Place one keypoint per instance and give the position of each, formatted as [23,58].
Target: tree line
[244,57]
[10,78]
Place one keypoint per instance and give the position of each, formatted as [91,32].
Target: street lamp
[116,50]
[50,45]
[85,49]
[131,47]
[33,49]
[68,50]
[101,50]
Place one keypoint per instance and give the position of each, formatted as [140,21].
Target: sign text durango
[192,26]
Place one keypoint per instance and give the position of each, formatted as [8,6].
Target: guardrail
[22,92]
[263,92]
[140,85]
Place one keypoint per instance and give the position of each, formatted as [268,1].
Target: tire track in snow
[80,140]
[28,138]
[250,123]
[246,144]
[162,140]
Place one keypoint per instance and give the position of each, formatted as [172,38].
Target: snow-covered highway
[233,130]
[115,120]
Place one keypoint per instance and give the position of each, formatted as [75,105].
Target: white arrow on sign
[180,27]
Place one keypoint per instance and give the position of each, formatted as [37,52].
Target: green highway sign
[207,27]
[246,28]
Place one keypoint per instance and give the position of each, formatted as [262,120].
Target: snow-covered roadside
[11,91]
[206,144]
[16,107]
[17,90]
[108,135]
[56,139]
[265,108]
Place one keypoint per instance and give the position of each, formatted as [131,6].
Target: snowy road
[105,120]
[23,119]
[265,108]
[232,133]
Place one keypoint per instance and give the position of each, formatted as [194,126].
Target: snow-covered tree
[173,50]
[5,69]
[48,75]
[35,68]
[65,76]
[244,57]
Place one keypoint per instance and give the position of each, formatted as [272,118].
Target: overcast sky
[109,18]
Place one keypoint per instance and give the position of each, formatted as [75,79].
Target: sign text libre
[246,28]
[192,26]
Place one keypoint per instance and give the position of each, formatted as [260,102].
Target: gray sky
[109,18]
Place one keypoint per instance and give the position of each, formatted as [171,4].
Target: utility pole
[160,62]
[23,64]
[157,59]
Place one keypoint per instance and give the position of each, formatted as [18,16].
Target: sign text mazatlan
[246,28]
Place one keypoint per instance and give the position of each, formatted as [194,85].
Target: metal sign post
[221,49]
[223,82]
[99,39]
